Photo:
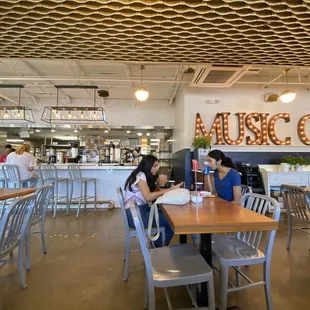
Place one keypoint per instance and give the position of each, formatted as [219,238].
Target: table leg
[183,238]
[206,252]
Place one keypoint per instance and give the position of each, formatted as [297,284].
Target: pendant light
[141,93]
[287,96]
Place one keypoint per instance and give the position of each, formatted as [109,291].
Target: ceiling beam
[8,98]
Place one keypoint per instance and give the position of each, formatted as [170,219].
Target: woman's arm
[150,196]
[237,195]
[210,183]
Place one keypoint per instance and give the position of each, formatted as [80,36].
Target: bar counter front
[108,176]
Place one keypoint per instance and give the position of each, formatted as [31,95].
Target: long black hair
[226,161]
[144,166]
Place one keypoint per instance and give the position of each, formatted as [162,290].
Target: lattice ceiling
[217,31]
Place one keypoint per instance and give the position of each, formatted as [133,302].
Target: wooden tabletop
[7,193]
[215,215]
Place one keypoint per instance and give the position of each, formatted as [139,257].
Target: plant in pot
[202,145]
[300,162]
[287,163]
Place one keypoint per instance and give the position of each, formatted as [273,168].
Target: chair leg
[20,263]
[95,194]
[151,298]
[238,276]
[290,230]
[43,236]
[145,301]
[26,245]
[127,254]
[267,286]
[71,192]
[211,297]
[223,286]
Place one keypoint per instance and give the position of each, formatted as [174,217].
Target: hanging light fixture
[57,114]
[141,93]
[287,96]
[15,114]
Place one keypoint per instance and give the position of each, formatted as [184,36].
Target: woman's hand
[177,186]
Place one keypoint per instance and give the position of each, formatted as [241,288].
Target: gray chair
[43,198]
[13,232]
[131,232]
[49,173]
[242,250]
[12,176]
[172,266]
[82,182]
[245,189]
[297,203]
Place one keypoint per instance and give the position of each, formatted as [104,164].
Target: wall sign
[260,131]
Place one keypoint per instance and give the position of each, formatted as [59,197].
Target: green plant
[302,161]
[289,159]
[202,142]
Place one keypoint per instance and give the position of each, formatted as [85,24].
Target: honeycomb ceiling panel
[215,31]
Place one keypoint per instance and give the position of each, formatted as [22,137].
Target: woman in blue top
[226,182]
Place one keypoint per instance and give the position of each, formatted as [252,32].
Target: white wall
[242,100]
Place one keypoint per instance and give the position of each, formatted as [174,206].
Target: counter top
[96,167]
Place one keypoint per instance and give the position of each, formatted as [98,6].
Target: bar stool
[49,173]
[12,176]
[76,177]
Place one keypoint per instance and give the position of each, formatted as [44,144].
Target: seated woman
[140,187]
[25,162]
[227,181]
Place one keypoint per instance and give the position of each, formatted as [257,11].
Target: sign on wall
[260,125]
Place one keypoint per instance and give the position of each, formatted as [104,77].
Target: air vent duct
[218,76]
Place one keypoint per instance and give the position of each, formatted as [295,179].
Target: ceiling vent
[218,76]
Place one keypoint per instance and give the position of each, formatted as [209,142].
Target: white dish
[205,194]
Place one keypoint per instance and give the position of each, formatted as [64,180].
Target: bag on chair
[179,196]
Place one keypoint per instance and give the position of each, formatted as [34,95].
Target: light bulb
[141,94]
[287,96]
[82,114]
[69,115]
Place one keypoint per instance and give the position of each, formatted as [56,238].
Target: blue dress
[225,186]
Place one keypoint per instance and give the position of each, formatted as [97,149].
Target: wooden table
[7,193]
[214,215]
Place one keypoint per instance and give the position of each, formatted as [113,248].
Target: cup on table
[171,183]
[163,179]
[199,186]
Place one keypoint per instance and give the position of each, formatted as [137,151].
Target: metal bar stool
[76,177]
[12,176]
[49,173]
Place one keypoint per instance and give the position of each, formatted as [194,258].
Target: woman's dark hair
[144,166]
[226,161]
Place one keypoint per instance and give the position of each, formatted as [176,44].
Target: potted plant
[300,162]
[287,163]
[202,145]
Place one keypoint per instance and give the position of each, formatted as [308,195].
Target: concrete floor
[83,270]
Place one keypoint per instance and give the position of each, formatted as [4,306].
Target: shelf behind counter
[109,177]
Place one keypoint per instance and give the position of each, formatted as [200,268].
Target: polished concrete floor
[83,270]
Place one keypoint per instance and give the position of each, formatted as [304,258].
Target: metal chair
[76,176]
[12,176]
[131,232]
[2,179]
[43,198]
[245,189]
[171,266]
[49,173]
[242,250]
[13,232]
[297,203]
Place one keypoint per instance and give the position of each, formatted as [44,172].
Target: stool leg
[71,191]
[95,194]
[80,200]
[56,200]
[67,199]
[85,194]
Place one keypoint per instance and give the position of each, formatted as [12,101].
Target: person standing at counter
[141,187]
[227,181]
[25,162]
[8,150]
